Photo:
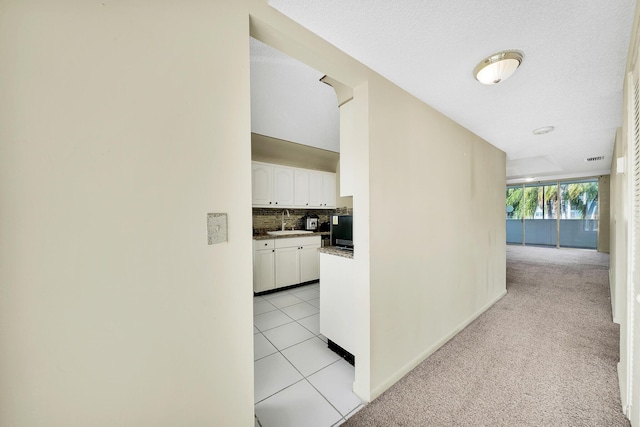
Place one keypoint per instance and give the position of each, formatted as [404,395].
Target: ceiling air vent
[594,159]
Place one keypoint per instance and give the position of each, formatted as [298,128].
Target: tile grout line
[288,361]
[279,391]
[304,377]
[292,320]
[321,394]
[324,397]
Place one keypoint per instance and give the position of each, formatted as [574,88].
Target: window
[539,214]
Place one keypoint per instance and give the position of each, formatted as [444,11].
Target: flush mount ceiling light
[498,67]
[543,130]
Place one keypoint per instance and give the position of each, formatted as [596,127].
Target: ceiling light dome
[543,130]
[498,67]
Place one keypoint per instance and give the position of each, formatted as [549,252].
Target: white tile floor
[298,380]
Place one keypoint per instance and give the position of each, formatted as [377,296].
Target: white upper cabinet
[322,189]
[329,190]
[315,189]
[261,184]
[287,187]
[282,186]
[301,188]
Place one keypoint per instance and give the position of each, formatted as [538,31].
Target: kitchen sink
[288,232]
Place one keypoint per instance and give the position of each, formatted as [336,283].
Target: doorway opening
[295,133]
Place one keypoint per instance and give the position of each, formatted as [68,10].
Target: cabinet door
[329,190]
[309,263]
[287,267]
[315,189]
[282,186]
[261,184]
[301,188]
[263,270]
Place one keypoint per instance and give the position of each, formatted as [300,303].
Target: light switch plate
[216,228]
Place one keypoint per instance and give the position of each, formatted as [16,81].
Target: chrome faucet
[284,223]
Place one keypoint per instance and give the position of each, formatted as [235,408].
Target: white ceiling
[571,77]
[289,102]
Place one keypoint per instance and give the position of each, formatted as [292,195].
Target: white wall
[621,217]
[354,166]
[437,230]
[123,124]
[604,212]
[617,232]
[288,100]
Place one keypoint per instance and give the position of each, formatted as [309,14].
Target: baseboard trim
[612,298]
[362,392]
[377,391]
[623,393]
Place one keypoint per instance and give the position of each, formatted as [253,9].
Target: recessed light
[498,67]
[543,130]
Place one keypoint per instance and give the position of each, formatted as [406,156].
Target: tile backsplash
[344,211]
[268,219]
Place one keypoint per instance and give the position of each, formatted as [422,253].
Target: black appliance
[342,231]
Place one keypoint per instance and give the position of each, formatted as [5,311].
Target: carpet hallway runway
[544,355]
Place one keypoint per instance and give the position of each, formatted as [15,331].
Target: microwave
[342,231]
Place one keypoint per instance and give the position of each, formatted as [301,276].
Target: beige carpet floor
[544,355]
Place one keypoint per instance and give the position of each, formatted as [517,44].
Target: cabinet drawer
[263,244]
[297,241]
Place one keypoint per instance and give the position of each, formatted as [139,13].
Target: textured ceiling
[571,76]
[289,102]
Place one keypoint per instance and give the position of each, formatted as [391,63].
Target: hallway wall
[435,271]
[604,208]
[621,217]
[123,125]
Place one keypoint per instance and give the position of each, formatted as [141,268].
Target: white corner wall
[617,232]
[123,124]
[437,230]
[428,199]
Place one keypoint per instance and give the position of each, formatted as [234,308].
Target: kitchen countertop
[287,236]
[337,251]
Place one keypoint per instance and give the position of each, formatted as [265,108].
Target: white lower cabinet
[284,262]
[287,266]
[337,299]
[309,263]
[263,265]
